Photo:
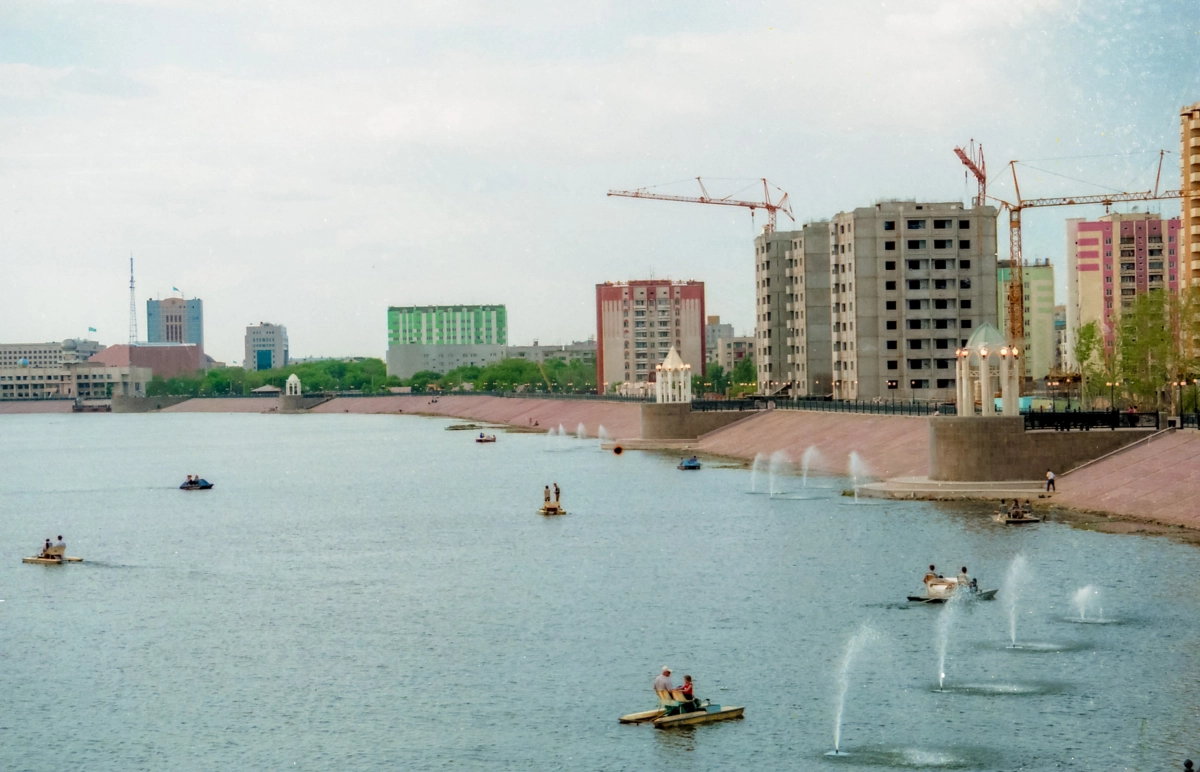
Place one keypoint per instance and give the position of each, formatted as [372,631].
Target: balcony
[1195,142]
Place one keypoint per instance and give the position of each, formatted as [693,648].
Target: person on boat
[60,543]
[557,492]
[1015,510]
[963,579]
[662,683]
[481,435]
[45,550]
[546,495]
[689,702]
[931,576]
[1027,508]
[693,460]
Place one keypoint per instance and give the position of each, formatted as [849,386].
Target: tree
[744,374]
[716,378]
[1087,344]
[421,380]
[1145,345]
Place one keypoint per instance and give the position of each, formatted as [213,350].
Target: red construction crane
[782,205]
[972,158]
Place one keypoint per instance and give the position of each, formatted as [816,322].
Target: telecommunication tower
[132,306]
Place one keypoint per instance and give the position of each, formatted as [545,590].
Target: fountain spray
[1012,586]
[856,643]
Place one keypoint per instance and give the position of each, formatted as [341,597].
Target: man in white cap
[663,682]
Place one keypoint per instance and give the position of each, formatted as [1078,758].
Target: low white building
[73,380]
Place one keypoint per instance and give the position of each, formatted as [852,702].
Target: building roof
[268,389]
[673,361]
[987,337]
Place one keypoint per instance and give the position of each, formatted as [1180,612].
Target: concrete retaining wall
[23,406]
[144,404]
[225,405]
[680,422]
[999,448]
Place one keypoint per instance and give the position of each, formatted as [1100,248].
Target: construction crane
[772,207]
[1016,281]
[972,158]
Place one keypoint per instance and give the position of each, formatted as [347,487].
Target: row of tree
[1143,358]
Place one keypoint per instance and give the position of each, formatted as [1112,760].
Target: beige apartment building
[638,322]
[1189,155]
[730,351]
[1040,339]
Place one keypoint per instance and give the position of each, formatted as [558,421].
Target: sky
[311,163]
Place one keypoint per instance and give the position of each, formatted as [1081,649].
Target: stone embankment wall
[144,404]
[679,422]
[619,419]
[998,448]
[889,445]
[1157,480]
[225,405]
[25,406]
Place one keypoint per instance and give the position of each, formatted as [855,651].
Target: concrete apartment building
[1189,156]
[909,283]
[1111,261]
[714,330]
[583,351]
[444,338]
[266,347]
[730,351]
[47,354]
[771,291]
[638,321]
[1040,339]
[808,325]
[72,379]
[175,320]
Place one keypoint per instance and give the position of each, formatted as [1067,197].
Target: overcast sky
[309,163]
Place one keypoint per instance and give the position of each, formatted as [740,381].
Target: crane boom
[772,207]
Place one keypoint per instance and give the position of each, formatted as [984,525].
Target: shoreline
[890,446]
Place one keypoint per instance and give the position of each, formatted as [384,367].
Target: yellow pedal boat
[669,716]
[51,561]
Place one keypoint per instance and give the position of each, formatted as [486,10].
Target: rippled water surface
[373,592]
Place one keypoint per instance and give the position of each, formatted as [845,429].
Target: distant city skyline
[317,164]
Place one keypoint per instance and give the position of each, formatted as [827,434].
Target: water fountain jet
[811,454]
[858,468]
[856,643]
[759,462]
[1084,598]
[780,462]
[944,625]
[581,432]
[1013,581]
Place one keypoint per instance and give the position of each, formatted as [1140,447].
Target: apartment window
[916,284]
[943,303]
[889,225]
[919,383]
[964,284]
[1128,266]
[914,305]
[913,324]
[889,285]
[943,244]
[916,243]
[891,324]
[941,343]
[889,265]
[939,284]
[889,246]
[943,224]
[890,305]
[964,264]
[916,364]
[964,243]
[892,385]
[915,343]
[965,324]
[892,345]
[1156,265]
[964,224]
[965,303]
[915,225]
[914,265]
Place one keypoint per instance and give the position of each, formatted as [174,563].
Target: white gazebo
[988,364]
[292,387]
[674,383]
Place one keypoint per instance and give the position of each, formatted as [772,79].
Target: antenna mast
[132,306]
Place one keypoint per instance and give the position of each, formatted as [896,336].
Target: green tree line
[1154,347]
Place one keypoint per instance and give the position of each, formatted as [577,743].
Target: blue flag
[176,289]
[91,329]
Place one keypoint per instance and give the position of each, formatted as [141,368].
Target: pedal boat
[552,508]
[489,438]
[52,557]
[689,465]
[668,717]
[1007,519]
[944,589]
[203,485]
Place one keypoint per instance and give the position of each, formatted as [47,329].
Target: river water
[374,592]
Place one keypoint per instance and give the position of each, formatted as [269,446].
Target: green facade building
[447,325]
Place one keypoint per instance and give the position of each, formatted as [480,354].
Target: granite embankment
[15,407]
[619,419]
[1157,481]
[889,445]
[225,405]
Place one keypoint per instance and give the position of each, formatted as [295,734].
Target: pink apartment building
[1111,261]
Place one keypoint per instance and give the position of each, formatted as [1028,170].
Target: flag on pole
[91,329]
[176,289]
